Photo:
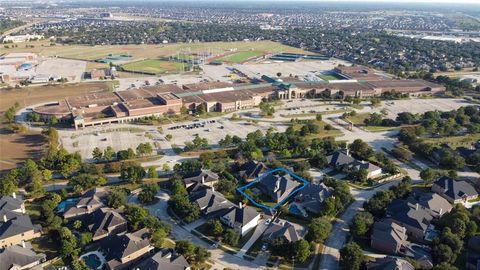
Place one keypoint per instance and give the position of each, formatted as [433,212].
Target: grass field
[148,51]
[15,148]
[240,57]
[456,141]
[154,66]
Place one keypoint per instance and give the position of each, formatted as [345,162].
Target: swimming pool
[62,206]
[94,260]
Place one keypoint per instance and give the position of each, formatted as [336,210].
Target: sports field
[149,51]
[240,57]
[154,66]
[329,77]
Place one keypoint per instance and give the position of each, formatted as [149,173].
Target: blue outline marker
[241,189]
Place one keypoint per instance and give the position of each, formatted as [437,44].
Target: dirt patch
[38,94]
[16,148]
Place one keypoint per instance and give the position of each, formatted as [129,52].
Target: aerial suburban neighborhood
[184,135]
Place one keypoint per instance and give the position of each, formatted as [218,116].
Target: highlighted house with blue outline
[278,185]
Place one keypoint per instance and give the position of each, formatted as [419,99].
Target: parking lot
[124,136]
[423,105]
[70,69]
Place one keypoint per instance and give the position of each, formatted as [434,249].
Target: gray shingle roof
[165,259]
[201,176]
[388,231]
[18,224]
[390,263]
[339,158]
[105,221]
[455,189]
[18,256]
[241,216]
[116,247]
[312,197]
[407,213]
[284,231]
[435,203]
[276,186]
[211,203]
[252,169]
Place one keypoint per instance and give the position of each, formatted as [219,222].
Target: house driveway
[189,227]
[261,227]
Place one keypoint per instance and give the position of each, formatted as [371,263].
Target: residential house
[211,203]
[473,253]
[252,169]
[15,228]
[204,177]
[165,259]
[310,199]
[281,230]
[20,257]
[390,263]
[435,204]
[388,237]
[89,202]
[123,250]
[104,222]
[277,187]
[241,218]
[413,217]
[11,204]
[343,161]
[454,191]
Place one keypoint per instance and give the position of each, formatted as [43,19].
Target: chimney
[277,185]
[23,244]
[440,212]
[347,151]
[240,204]
[416,206]
[14,195]
[213,189]
[204,177]
[5,218]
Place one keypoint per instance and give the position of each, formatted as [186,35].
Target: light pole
[293,262]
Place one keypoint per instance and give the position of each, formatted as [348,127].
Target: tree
[85,238]
[444,266]
[318,230]
[301,250]
[166,167]
[318,117]
[152,172]
[77,224]
[47,175]
[442,253]
[361,224]
[97,154]
[10,114]
[215,226]
[132,171]
[184,208]
[117,198]
[108,153]
[147,195]
[428,175]
[361,149]
[135,215]
[158,238]
[351,257]
[231,237]
[144,149]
